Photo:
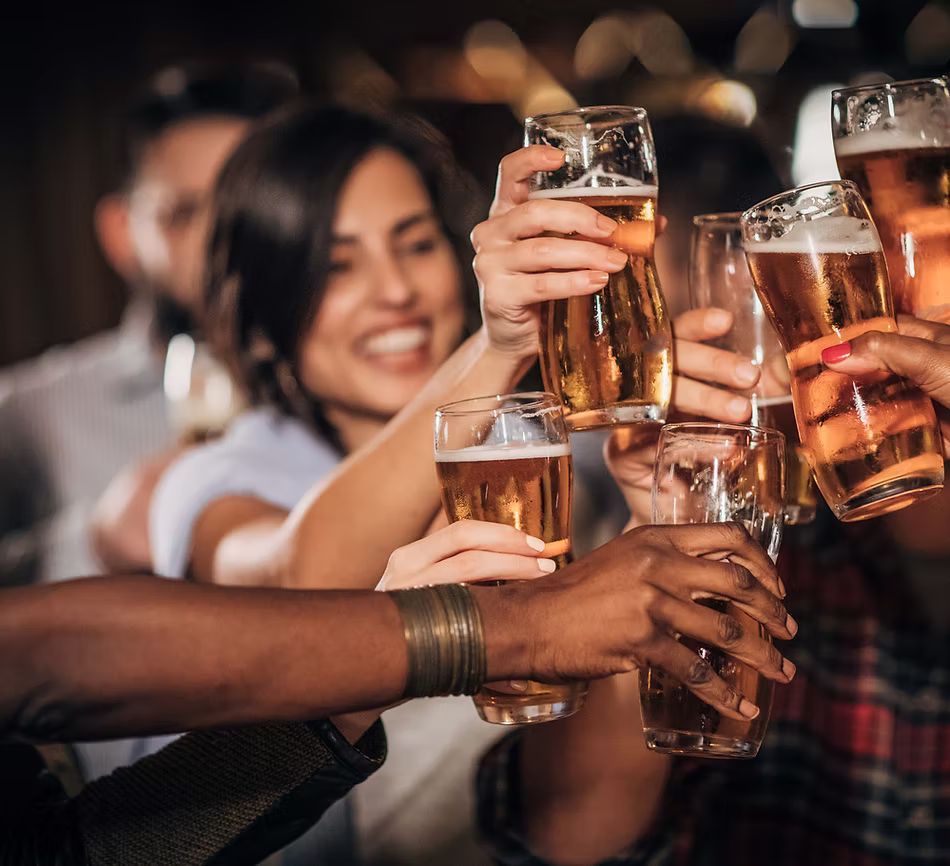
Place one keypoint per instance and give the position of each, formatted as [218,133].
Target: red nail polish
[836,354]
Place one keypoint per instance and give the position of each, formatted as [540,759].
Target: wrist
[509,638]
[509,363]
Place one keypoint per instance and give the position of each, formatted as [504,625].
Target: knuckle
[728,697]
[647,597]
[477,237]
[699,672]
[543,285]
[729,630]
[778,611]
[540,247]
[742,579]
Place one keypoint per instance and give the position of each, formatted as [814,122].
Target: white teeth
[397,340]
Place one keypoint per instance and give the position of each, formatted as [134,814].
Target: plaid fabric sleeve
[500,817]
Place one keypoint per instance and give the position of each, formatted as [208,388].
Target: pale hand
[528,252]
[630,452]
[468,551]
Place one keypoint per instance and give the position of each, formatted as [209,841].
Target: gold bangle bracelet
[445,640]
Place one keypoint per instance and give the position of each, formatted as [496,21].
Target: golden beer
[528,487]
[708,473]
[872,443]
[673,716]
[801,497]
[908,192]
[608,356]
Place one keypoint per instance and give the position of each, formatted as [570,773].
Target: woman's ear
[111,222]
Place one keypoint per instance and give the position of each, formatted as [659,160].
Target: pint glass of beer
[715,473]
[507,460]
[818,267]
[719,277]
[893,141]
[607,356]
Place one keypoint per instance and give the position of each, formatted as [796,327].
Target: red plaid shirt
[855,768]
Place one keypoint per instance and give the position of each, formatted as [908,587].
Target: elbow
[46,714]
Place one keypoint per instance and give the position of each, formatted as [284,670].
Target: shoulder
[263,455]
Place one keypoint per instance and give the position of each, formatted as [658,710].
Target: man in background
[76,416]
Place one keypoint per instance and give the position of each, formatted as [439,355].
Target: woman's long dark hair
[269,252]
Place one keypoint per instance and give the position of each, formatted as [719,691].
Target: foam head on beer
[822,235]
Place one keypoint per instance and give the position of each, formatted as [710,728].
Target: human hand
[467,551]
[527,252]
[616,609]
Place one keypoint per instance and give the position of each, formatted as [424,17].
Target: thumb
[923,362]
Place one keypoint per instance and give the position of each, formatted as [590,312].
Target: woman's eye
[339,267]
[421,247]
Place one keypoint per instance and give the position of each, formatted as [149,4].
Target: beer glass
[818,267]
[893,141]
[719,277]
[201,396]
[507,459]
[607,356]
[715,473]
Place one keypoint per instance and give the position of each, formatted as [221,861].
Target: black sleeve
[223,798]
[216,798]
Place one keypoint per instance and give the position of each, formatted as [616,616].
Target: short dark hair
[269,253]
[189,91]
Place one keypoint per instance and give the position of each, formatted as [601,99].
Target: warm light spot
[763,44]
[827,14]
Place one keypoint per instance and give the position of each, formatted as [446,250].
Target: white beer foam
[642,190]
[479,453]
[881,140]
[833,234]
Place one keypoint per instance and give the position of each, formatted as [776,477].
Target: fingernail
[616,257]
[555,157]
[781,588]
[547,565]
[836,354]
[718,320]
[518,685]
[746,372]
[606,224]
[598,278]
[748,709]
[739,407]
[791,625]
[788,668]
[534,543]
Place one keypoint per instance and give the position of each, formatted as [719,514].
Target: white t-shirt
[271,457]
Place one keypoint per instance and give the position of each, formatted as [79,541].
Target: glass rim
[724,218]
[636,113]
[891,85]
[706,427]
[772,199]
[528,400]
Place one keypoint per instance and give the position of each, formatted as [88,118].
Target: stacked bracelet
[445,640]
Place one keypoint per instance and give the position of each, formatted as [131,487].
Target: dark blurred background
[473,69]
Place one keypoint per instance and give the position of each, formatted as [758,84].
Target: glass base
[528,710]
[616,415]
[891,496]
[699,745]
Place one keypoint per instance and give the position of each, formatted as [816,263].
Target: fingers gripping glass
[818,267]
[715,473]
[719,277]
[507,459]
[607,355]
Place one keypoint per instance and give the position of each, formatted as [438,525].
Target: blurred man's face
[169,205]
